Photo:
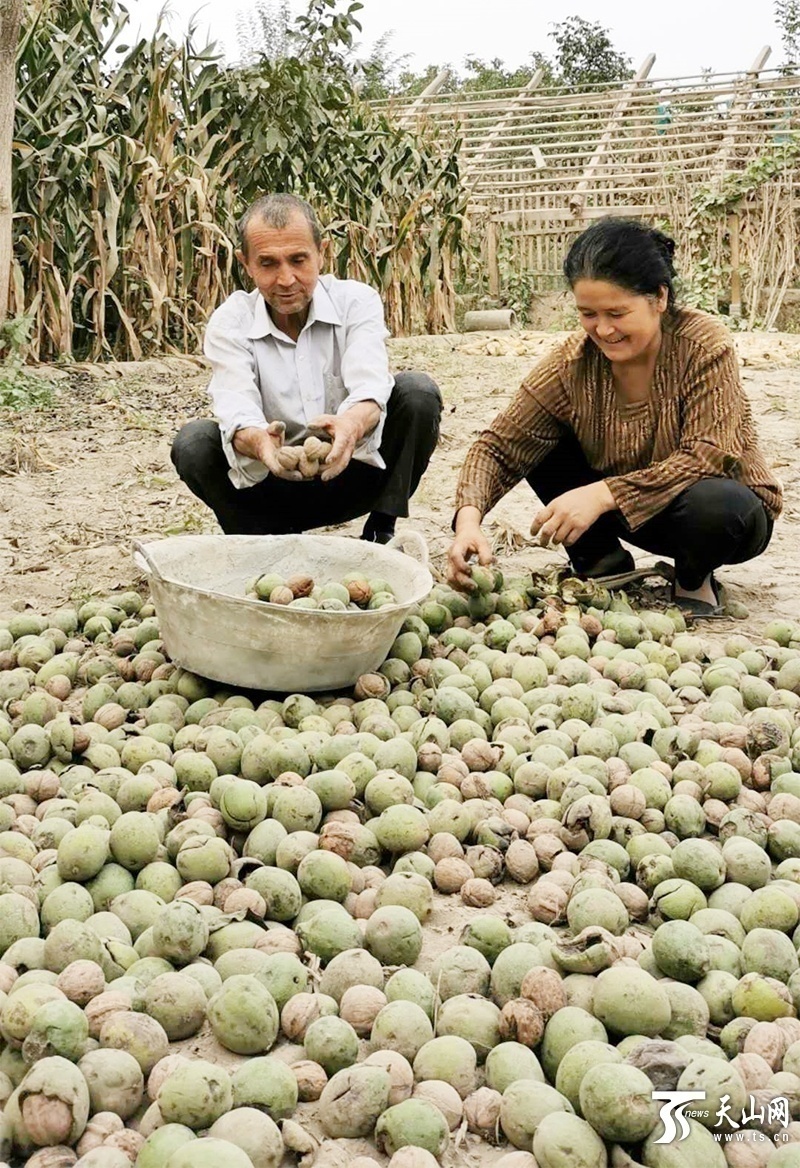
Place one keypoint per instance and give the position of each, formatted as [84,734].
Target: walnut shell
[111,716]
[400,1073]
[478,893]
[311,1080]
[198,891]
[372,685]
[478,755]
[522,864]
[279,939]
[298,1014]
[443,1096]
[128,1141]
[82,982]
[754,1071]
[313,447]
[360,592]
[444,846]
[547,902]
[365,904]
[522,1021]
[97,1131]
[103,1007]
[547,847]
[451,874]
[163,799]
[628,801]
[58,1157]
[47,1121]
[301,586]
[281,595]
[518,820]
[289,456]
[635,900]
[41,785]
[767,1040]
[482,1113]
[429,757]
[360,1006]
[248,899]
[308,467]
[407,1157]
[544,987]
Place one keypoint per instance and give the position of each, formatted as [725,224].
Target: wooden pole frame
[411,112]
[497,131]
[578,197]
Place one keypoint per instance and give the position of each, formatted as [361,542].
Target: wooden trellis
[541,163]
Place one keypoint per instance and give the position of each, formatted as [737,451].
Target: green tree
[585,54]
[264,32]
[787,18]
[481,76]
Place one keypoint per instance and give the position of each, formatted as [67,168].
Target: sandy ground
[80,480]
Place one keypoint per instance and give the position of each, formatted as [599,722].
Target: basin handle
[418,547]
[144,561]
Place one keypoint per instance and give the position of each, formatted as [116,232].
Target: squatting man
[304,355]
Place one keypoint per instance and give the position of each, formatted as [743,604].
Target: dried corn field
[128,181]
[712,159]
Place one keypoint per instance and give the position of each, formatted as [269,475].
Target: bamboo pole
[492,263]
[411,112]
[736,275]
[504,123]
[738,106]
[578,197]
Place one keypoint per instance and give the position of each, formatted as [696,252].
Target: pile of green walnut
[613,809]
[353,593]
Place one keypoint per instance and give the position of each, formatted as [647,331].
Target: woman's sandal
[702,609]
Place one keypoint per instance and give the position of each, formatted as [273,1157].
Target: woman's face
[624,325]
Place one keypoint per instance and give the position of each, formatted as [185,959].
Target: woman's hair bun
[665,244]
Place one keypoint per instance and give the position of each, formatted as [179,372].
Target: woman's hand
[571,515]
[469,541]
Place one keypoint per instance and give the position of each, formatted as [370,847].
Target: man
[309,352]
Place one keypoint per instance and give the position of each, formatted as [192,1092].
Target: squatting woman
[635,428]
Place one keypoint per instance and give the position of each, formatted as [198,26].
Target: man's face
[284,263]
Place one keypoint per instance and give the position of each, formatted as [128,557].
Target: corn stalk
[10,17]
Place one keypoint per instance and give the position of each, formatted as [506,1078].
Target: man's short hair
[277,211]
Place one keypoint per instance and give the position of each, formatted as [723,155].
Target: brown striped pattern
[696,424]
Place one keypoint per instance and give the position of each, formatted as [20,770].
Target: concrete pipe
[489,320]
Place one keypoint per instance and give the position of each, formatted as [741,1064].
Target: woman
[636,427]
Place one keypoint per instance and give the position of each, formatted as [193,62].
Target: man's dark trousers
[277,507]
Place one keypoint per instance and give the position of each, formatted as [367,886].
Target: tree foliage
[787,17]
[584,55]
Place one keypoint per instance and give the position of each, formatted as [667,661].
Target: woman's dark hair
[624,252]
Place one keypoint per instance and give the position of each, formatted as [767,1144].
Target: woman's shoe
[702,609]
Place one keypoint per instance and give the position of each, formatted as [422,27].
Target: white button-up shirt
[260,375]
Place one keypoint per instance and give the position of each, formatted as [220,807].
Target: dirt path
[80,480]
